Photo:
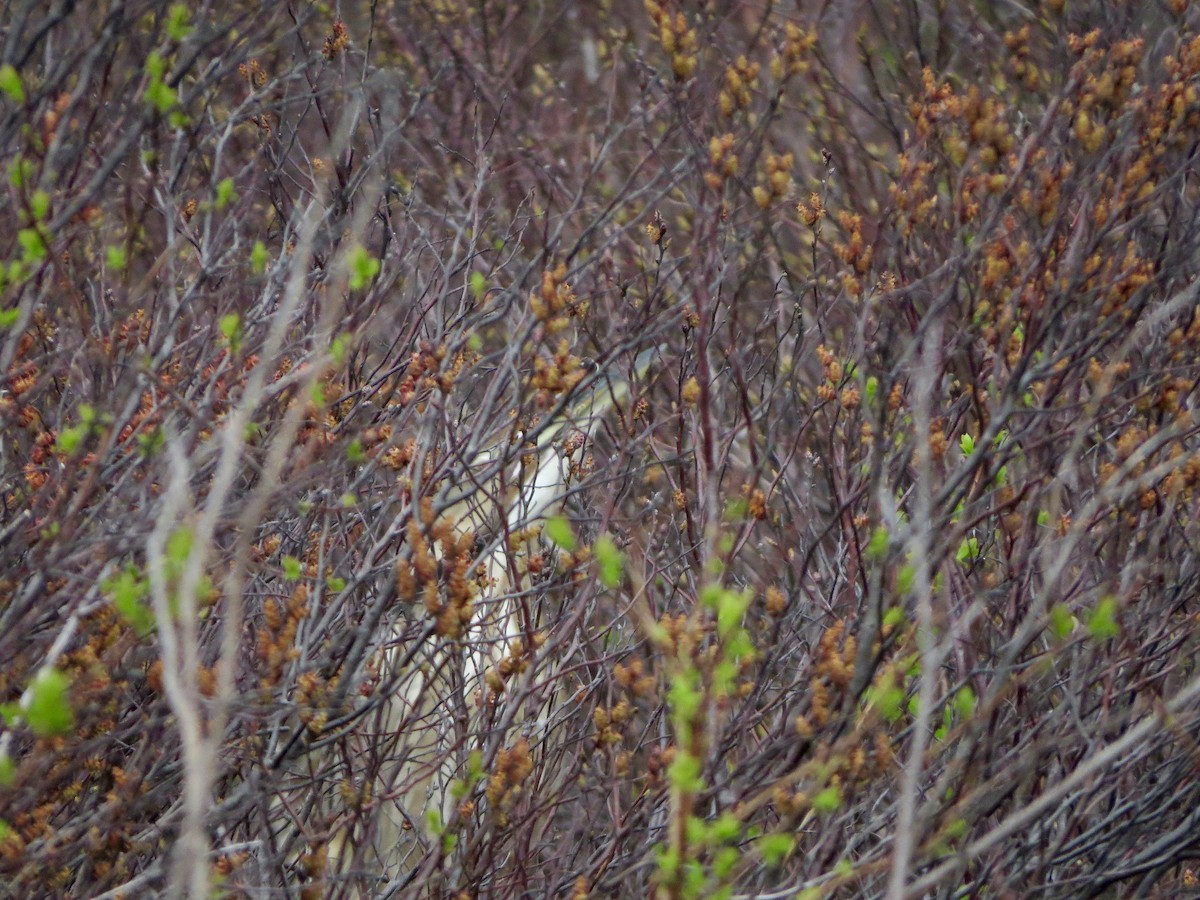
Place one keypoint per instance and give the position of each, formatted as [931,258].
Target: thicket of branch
[885,576]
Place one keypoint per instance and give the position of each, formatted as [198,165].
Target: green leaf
[128,592]
[179,549]
[225,193]
[894,617]
[156,66]
[695,880]
[11,84]
[335,584]
[967,444]
[291,568]
[177,23]
[475,766]
[433,819]
[8,317]
[964,702]
[739,645]
[888,698]
[258,257]
[1062,623]
[116,258]
[341,344]
[711,595]
[558,529]
[955,829]
[727,828]
[696,830]
[610,561]
[1043,517]
[20,172]
[775,847]
[684,773]
[732,610]
[151,442]
[724,677]
[355,453]
[684,696]
[828,800]
[878,547]
[231,329]
[158,93]
[668,861]
[46,708]
[723,864]
[69,439]
[872,388]
[39,205]
[363,268]
[967,551]
[32,244]
[1102,623]
[161,97]
[478,285]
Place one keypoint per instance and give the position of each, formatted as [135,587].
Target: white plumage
[415,785]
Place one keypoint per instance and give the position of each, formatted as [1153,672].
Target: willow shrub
[881,582]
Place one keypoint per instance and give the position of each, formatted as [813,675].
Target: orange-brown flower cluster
[831,366]
[740,79]
[446,587]
[337,41]
[774,181]
[792,59]
[554,303]
[276,637]
[723,162]
[634,678]
[610,723]
[555,375]
[515,662]
[676,37]
[513,765]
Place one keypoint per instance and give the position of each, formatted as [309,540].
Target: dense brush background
[881,581]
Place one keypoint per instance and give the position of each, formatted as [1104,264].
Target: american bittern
[450,698]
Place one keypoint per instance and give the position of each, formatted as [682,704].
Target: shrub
[879,580]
